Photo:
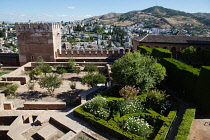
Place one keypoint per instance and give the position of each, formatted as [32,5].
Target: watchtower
[38,39]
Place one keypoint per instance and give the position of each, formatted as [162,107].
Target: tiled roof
[173,39]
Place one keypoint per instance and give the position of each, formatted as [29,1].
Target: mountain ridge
[159,17]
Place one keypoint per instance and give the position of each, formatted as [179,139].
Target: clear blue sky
[69,10]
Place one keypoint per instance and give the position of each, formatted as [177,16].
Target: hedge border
[161,53]
[163,132]
[182,75]
[185,126]
[144,50]
[116,132]
[104,125]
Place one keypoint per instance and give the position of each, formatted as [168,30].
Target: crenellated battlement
[92,53]
[37,26]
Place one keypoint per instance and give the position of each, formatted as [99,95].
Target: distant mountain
[205,15]
[159,17]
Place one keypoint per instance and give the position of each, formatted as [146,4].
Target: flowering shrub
[131,106]
[98,106]
[129,92]
[138,126]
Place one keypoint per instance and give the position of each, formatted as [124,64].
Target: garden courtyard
[137,106]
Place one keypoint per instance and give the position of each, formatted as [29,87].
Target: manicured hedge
[106,126]
[183,76]
[144,50]
[203,89]
[161,53]
[185,126]
[162,133]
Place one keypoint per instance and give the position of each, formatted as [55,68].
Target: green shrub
[90,68]
[183,76]
[162,133]
[185,126]
[161,53]
[61,70]
[98,106]
[93,79]
[203,89]
[138,126]
[129,92]
[156,99]
[10,89]
[144,50]
[131,106]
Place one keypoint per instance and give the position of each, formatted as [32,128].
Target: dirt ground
[40,94]
[200,130]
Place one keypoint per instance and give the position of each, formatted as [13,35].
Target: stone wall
[44,105]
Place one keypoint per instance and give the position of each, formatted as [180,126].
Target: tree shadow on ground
[32,95]
[76,79]
[65,96]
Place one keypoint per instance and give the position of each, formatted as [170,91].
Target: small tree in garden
[93,79]
[90,68]
[77,71]
[32,73]
[41,66]
[46,68]
[10,89]
[30,85]
[129,92]
[71,62]
[50,82]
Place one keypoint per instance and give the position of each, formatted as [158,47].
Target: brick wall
[44,105]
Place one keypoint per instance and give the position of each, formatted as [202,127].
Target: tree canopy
[189,54]
[93,79]
[139,70]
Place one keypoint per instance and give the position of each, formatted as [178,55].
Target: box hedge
[106,126]
[203,89]
[145,50]
[183,76]
[161,53]
[113,129]
[185,126]
[162,133]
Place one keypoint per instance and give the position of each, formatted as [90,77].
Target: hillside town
[90,34]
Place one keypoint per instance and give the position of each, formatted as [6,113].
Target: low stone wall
[44,105]
[2,99]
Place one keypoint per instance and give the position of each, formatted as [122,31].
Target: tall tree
[138,70]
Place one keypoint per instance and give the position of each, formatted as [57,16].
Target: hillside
[159,17]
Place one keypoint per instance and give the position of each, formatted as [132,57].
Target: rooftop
[149,38]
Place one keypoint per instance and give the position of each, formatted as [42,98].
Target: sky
[70,10]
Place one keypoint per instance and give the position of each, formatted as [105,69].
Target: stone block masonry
[38,39]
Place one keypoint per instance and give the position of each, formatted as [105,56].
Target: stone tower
[38,39]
